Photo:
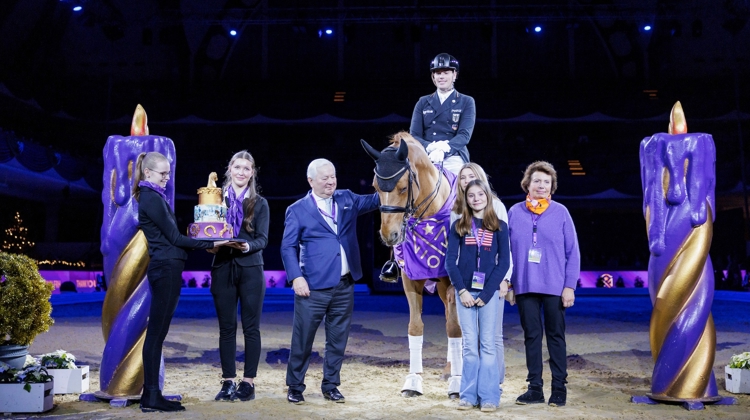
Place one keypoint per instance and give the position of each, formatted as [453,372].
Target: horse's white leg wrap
[413,380]
[455,356]
[413,383]
[415,353]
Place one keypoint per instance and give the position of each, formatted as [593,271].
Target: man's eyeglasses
[163,174]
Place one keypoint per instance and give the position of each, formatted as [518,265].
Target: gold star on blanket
[428,229]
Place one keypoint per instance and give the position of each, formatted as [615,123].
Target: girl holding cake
[167,250]
[237,276]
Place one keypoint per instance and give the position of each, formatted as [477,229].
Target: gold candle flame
[677,121]
[139,126]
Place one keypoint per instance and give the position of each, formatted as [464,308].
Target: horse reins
[410,209]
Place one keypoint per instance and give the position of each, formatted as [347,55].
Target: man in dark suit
[444,120]
[321,257]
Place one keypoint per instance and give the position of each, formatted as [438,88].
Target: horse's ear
[374,154]
[403,151]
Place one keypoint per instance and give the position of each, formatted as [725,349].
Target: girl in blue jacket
[477,260]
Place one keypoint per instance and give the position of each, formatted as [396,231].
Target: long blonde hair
[460,203]
[145,160]
[248,204]
[489,219]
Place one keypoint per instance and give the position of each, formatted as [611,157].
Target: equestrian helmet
[444,61]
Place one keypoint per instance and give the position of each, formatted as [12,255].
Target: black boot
[152,400]
[558,397]
[534,395]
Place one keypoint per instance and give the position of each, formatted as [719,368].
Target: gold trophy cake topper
[210,194]
[210,216]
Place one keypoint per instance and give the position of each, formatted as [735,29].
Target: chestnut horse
[413,190]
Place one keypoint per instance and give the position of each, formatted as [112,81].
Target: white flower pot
[737,380]
[71,381]
[15,399]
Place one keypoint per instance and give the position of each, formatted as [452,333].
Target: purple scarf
[156,187]
[234,211]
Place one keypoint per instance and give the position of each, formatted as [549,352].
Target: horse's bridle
[410,209]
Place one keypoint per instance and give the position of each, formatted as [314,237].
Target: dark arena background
[578,83]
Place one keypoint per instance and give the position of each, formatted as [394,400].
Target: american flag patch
[486,241]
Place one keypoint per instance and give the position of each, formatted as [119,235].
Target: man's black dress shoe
[334,395]
[245,392]
[295,397]
[228,388]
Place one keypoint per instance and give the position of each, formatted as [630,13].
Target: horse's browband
[392,176]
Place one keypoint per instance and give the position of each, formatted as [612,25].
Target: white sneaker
[465,405]
[488,407]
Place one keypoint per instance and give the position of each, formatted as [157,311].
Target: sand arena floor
[609,361]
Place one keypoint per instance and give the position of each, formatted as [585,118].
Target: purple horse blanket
[422,254]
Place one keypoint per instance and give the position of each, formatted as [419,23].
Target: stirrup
[389,272]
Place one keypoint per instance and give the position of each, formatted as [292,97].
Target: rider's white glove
[430,147]
[437,156]
[443,146]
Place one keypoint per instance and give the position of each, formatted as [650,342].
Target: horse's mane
[417,154]
[421,162]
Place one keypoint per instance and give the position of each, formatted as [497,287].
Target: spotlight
[537,29]
[77,8]
[233,32]
[329,31]
[647,28]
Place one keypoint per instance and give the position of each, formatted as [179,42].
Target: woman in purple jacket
[546,267]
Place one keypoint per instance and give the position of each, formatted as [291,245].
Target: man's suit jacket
[310,248]
[453,120]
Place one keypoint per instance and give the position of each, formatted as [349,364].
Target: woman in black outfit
[237,276]
[166,248]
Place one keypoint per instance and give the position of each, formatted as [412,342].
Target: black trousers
[530,307]
[165,281]
[232,283]
[335,305]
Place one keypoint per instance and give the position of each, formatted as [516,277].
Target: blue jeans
[480,378]
[499,345]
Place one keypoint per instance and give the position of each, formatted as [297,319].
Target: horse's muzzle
[392,239]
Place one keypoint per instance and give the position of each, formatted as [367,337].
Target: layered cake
[210,216]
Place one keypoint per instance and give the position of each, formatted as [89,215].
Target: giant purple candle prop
[125,251]
[678,177]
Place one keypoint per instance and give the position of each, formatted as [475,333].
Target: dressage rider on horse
[444,120]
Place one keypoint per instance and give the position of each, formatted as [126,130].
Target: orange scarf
[540,207]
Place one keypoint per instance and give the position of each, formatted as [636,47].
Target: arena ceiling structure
[558,80]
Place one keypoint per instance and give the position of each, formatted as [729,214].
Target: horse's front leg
[414,290]
[452,371]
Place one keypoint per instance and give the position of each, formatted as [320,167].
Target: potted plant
[25,390]
[24,307]
[69,378]
[737,374]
